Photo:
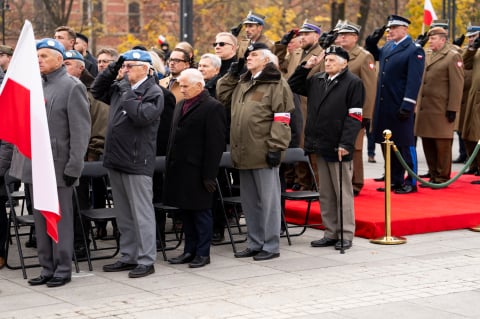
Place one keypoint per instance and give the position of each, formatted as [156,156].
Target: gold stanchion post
[388,239]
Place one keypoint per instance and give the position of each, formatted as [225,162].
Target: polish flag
[23,122]
[428,13]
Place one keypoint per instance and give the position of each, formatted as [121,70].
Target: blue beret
[137,55]
[73,55]
[394,20]
[50,43]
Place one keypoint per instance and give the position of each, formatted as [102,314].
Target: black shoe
[199,261]
[296,187]
[392,188]
[346,244]
[141,271]
[356,193]
[471,171]
[40,280]
[324,242]
[118,266]
[182,259]
[460,160]
[31,243]
[246,253]
[475,182]
[379,179]
[58,281]
[265,255]
[425,175]
[406,189]
[218,237]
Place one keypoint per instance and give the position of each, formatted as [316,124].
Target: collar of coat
[341,74]
[86,78]
[269,74]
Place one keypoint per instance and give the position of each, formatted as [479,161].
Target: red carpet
[428,210]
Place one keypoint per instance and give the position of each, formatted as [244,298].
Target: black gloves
[403,114]
[210,185]
[114,67]
[422,39]
[237,67]
[459,41]
[451,115]
[124,85]
[69,180]
[365,122]
[236,30]
[273,158]
[374,38]
[287,37]
[476,43]
[326,39]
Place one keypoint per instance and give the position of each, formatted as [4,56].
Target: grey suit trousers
[56,258]
[261,203]
[132,197]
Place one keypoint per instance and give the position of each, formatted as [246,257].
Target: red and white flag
[23,122]
[428,13]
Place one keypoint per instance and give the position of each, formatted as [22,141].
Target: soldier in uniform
[471,124]
[362,64]
[308,36]
[399,79]
[438,103]
[253,24]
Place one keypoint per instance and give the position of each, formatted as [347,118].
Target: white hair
[157,63]
[271,57]
[229,35]
[216,61]
[192,76]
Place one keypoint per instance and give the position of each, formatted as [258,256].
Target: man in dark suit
[195,147]
[399,79]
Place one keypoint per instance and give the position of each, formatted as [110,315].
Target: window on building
[96,15]
[134,17]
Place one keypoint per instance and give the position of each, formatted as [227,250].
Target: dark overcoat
[195,147]
[399,80]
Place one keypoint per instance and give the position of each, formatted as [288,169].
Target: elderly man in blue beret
[136,103]
[69,127]
[90,191]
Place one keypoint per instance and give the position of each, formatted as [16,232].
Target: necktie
[170,84]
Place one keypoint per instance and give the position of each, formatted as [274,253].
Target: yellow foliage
[466,12]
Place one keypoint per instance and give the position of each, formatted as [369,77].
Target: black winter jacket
[133,122]
[333,111]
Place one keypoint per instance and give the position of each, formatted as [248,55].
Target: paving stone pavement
[434,275]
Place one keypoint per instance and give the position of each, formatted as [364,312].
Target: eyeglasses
[222,44]
[129,66]
[104,61]
[175,61]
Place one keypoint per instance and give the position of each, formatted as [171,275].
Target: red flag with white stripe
[23,122]
[428,13]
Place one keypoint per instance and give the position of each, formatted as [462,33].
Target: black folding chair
[91,170]
[160,208]
[228,200]
[292,156]
[17,222]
